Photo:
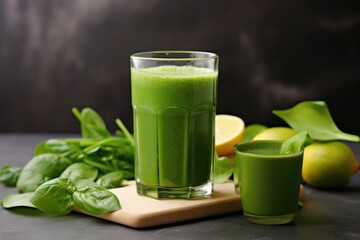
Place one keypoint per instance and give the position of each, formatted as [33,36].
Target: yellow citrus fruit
[275,133]
[329,164]
[229,130]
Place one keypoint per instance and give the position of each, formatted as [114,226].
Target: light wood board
[141,212]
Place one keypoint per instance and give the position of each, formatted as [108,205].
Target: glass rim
[142,55]
[269,141]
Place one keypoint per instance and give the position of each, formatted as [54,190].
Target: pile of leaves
[64,172]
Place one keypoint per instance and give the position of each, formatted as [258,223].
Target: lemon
[229,130]
[275,133]
[328,164]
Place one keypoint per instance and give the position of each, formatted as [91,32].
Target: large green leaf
[111,180]
[40,169]
[92,124]
[315,118]
[96,199]
[54,197]
[80,170]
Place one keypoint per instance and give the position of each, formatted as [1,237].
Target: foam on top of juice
[170,71]
[261,148]
[265,151]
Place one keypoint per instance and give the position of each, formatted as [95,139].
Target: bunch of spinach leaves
[74,170]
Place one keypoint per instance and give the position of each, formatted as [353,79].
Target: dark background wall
[273,54]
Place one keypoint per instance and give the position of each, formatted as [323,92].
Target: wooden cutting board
[141,212]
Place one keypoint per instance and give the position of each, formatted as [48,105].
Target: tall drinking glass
[174,103]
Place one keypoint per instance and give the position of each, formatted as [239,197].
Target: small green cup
[268,182]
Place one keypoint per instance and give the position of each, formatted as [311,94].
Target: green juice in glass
[174,112]
[269,182]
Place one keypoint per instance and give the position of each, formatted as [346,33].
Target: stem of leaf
[125,131]
[102,142]
[77,113]
[98,165]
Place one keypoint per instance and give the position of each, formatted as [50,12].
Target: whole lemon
[275,133]
[328,164]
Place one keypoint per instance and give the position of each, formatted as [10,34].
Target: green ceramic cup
[268,182]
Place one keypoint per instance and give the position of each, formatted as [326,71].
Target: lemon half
[229,130]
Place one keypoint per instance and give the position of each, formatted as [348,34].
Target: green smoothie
[174,111]
[269,182]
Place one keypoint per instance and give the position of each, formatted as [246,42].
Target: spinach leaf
[61,147]
[296,143]
[315,118]
[111,180]
[54,196]
[96,199]
[92,124]
[80,170]
[9,175]
[252,130]
[223,169]
[18,200]
[40,169]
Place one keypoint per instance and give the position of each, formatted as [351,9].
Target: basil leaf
[111,180]
[92,125]
[40,169]
[314,117]
[96,200]
[54,197]
[296,143]
[252,130]
[18,200]
[80,171]
[223,169]
[9,175]
[81,183]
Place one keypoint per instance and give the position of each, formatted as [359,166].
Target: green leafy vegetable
[61,167]
[296,143]
[80,170]
[223,169]
[108,155]
[111,180]
[252,130]
[96,200]
[18,200]
[314,117]
[9,175]
[41,169]
[58,196]
[54,196]
[92,125]
[60,147]
[97,149]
